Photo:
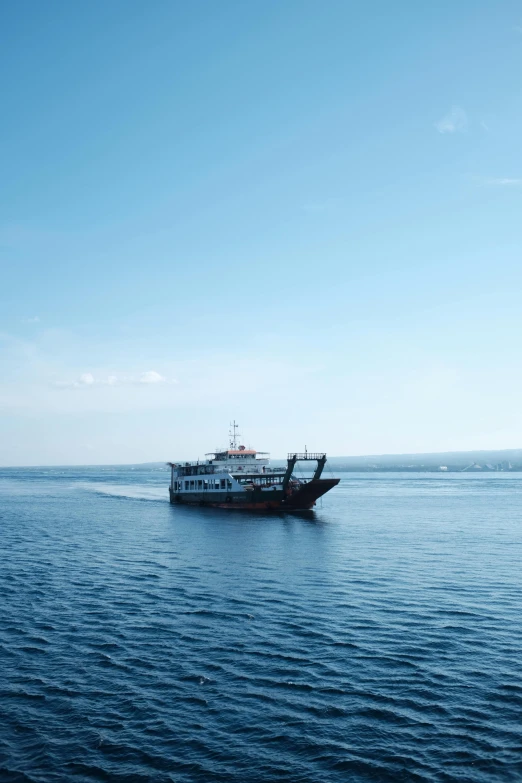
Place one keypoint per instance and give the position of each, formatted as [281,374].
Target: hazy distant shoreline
[488,461]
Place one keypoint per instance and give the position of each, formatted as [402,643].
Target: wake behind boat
[241,478]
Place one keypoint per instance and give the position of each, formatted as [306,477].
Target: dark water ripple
[378,639]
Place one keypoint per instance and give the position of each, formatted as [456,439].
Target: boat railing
[307,455]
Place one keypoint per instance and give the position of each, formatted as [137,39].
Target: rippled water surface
[378,638]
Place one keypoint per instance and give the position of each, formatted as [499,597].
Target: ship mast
[233,434]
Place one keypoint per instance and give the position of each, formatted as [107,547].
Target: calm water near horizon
[378,638]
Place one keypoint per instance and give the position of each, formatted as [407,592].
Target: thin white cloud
[82,382]
[32,320]
[455,121]
[151,376]
[507,181]
[87,379]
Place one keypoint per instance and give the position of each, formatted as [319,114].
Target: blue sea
[378,638]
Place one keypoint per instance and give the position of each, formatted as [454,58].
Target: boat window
[186,485]
[200,484]
[229,484]
[223,483]
[192,485]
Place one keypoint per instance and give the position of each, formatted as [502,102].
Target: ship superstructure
[241,478]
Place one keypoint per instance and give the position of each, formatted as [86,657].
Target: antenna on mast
[233,434]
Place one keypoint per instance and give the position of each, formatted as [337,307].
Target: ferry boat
[241,478]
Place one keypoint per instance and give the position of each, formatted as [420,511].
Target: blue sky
[302,215]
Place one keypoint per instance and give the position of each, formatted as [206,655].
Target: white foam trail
[134,492]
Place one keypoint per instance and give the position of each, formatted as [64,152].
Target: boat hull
[301,498]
